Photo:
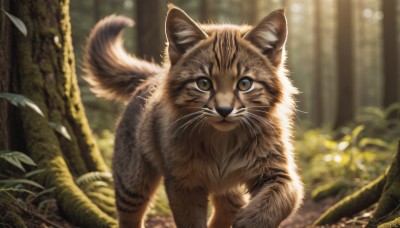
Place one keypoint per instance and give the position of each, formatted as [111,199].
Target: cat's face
[225,76]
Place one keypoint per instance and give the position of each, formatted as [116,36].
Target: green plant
[98,186]
[359,155]
[18,191]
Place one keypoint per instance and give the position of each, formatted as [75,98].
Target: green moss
[75,110]
[330,189]
[46,149]
[395,223]
[353,203]
[390,200]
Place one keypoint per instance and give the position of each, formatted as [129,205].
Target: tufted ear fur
[269,36]
[182,33]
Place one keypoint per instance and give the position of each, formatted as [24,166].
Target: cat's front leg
[275,195]
[189,206]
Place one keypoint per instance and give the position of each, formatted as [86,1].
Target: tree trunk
[150,16]
[318,94]
[5,55]
[390,55]
[43,64]
[249,11]
[388,206]
[345,75]
[207,11]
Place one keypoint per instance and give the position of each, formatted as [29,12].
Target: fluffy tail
[111,72]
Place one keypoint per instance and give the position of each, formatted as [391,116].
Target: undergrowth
[355,154]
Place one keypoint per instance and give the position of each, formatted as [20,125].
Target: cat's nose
[224,111]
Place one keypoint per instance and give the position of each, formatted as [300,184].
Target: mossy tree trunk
[42,68]
[385,190]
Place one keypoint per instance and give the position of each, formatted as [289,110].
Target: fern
[16,191]
[392,108]
[17,182]
[88,178]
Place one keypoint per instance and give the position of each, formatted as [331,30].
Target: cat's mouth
[224,125]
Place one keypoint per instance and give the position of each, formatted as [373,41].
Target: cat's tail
[111,71]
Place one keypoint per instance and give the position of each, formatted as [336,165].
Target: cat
[212,122]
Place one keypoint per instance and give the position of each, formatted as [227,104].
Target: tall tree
[5,52]
[344,55]
[205,10]
[390,53]
[250,11]
[150,16]
[317,85]
[41,67]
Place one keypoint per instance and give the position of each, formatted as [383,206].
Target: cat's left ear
[182,33]
[269,36]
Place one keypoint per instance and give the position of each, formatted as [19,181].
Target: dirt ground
[307,214]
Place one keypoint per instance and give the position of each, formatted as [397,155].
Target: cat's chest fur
[210,159]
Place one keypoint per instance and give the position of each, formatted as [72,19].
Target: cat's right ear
[182,33]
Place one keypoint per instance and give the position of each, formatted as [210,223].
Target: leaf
[60,129]
[373,142]
[21,101]
[15,158]
[16,190]
[392,108]
[18,23]
[11,182]
[50,190]
[356,131]
[34,172]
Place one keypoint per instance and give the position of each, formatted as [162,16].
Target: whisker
[261,132]
[267,124]
[188,123]
[200,120]
[183,117]
[247,122]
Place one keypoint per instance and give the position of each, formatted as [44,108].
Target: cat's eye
[245,84]
[204,84]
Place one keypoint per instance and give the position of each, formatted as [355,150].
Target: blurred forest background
[343,56]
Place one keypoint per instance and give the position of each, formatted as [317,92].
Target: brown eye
[245,84]
[204,84]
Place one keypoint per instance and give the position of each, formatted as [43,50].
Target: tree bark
[249,11]
[345,74]
[388,205]
[390,55]
[5,55]
[43,64]
[206,10]
[318,110]
[150,16]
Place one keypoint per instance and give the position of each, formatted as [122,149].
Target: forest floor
[306,215]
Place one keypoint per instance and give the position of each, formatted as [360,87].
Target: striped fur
[173,129]
[111,72]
